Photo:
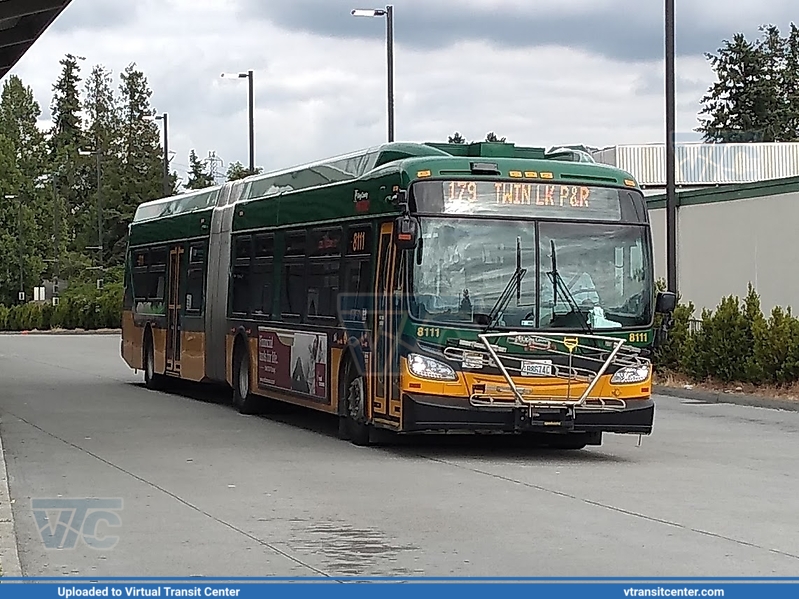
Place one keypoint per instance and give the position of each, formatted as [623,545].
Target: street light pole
[388,12]
[19,242]
[97,154]
[167,186]
[671,196]
[251,109]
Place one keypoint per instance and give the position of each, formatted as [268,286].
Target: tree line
[52,196]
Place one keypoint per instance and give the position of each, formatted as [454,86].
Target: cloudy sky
[540,72]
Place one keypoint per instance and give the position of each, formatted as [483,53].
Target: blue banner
[398,588]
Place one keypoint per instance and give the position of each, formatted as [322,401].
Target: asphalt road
[206,491]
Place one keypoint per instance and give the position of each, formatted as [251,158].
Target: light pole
[19,244]
[671,196]
[251,107]
[167,186]
[97,152]
[388,12]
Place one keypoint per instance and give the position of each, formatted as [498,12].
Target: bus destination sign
[545,200]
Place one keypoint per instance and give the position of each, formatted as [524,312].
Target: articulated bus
[416,288]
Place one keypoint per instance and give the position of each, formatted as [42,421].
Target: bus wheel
[352,423]
[152,380]
[243,400]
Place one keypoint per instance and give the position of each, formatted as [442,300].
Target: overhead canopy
[22,22]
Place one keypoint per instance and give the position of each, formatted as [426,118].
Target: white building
[737,217]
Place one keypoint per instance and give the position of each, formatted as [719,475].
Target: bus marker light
[516,174]
[423,174]
[547,176]
[629,183]
[531,174]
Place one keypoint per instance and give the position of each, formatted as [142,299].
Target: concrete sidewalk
[9,557]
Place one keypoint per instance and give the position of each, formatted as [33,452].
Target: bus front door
[174,311]
[386,406]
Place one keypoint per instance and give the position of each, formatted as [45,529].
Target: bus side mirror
[666,302]
[406,232]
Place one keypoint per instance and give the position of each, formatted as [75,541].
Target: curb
[9,556]
[65,332]
[739,399]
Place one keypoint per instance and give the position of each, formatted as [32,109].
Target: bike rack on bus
[597,349]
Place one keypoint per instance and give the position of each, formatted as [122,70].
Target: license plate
[536,367]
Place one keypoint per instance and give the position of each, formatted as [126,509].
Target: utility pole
[97,153]
[388,12]
[19,243]
[252,122]
[390,60]
[671,196]
[56,222]
[251,108]
[167,187]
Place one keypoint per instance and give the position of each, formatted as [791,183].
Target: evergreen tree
[754,97]
[104,120]
[71,176]
[10,179]
[141,159]
[65,106]
[19,113]
[491,136]
[238,171]
[456,139]
[199,175]
[790,84]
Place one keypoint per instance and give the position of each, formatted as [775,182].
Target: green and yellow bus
[417,288]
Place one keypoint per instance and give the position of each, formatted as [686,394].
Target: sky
[539,72]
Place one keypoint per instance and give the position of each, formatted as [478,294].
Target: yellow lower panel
[132,341]
[539,387]
[335,365]
[306,403]
[192,355]
[229,340]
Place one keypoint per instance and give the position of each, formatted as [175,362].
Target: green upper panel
[361,183]
[179,204]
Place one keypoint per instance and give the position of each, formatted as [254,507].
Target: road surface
[206,491]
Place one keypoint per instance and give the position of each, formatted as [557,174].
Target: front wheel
[352,418]
[243,400]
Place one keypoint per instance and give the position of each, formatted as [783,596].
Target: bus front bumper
[432,413]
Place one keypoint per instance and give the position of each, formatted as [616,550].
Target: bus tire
[152,380]
[243,399]
[352,415]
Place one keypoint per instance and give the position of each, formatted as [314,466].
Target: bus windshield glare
[462,266]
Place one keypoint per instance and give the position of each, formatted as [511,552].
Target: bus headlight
[428,368]
[630,374]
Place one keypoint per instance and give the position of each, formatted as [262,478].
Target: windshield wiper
[558,284]
[507,293]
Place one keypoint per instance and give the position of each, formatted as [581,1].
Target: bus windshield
[600,274]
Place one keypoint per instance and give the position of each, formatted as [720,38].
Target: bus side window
[293,296]
[195,280]
[140,279]
[263,274]
[240,300]
[354,298]
[156,275]
[356,289]
[323,272]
